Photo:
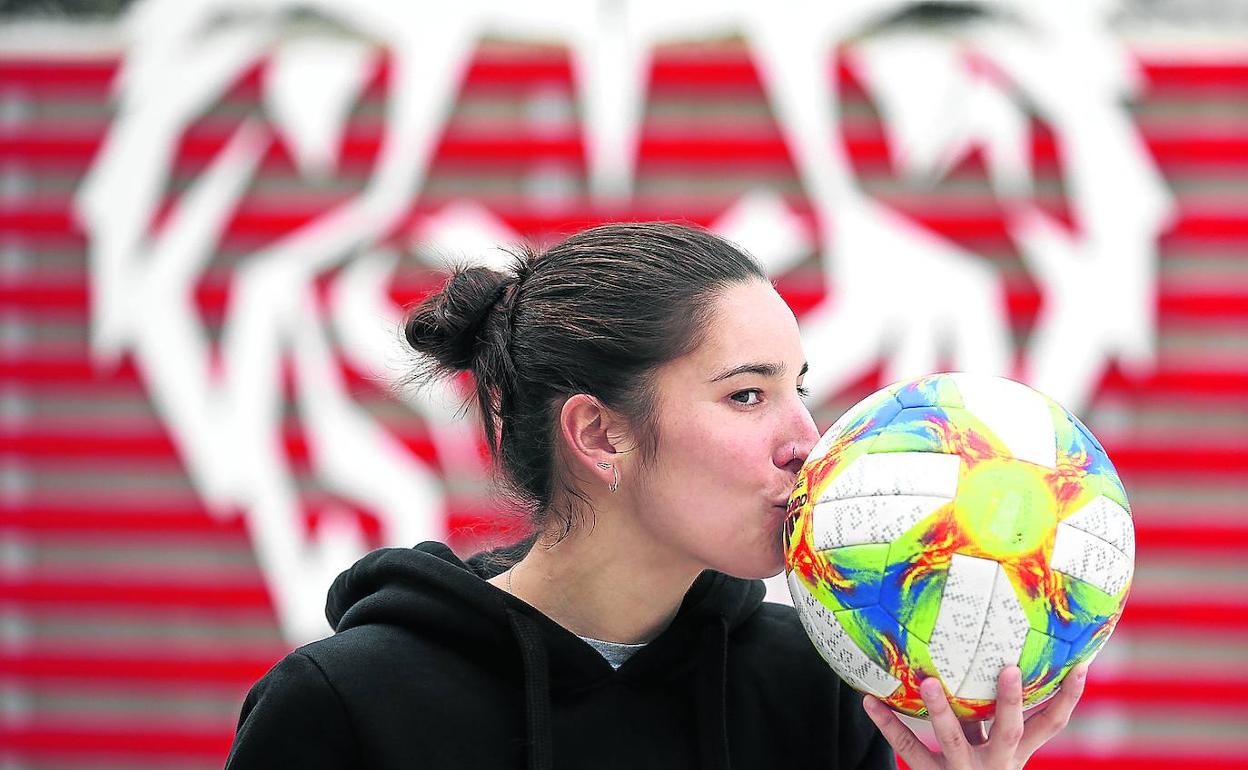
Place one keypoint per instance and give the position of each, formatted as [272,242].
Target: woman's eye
[746,397]
[803,391]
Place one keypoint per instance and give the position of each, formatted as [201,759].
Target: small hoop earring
[615,474]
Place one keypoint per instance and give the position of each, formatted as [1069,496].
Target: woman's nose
[805,435]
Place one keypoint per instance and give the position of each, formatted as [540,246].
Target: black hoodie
[431,667]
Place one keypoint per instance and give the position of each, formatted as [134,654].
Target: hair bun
[448,324]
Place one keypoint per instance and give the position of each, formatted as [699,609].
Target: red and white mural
[213,212]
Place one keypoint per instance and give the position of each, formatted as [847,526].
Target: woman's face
[733,433]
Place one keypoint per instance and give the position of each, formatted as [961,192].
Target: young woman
[641,387]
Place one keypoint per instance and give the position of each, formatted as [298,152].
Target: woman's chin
[767,565]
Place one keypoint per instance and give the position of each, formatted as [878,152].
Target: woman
[640,386]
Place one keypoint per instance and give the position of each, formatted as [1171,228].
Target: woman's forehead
[750,325]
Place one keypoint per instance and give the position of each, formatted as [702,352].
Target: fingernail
[1081,673]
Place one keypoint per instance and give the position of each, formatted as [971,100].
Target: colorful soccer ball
[950,526]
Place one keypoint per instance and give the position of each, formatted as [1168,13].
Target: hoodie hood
[430,590]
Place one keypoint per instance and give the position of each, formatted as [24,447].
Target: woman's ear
[591,432]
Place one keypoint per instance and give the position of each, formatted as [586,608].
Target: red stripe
[1142,689]
[39,521]
[123,441]
[1175,755]
[1177,616]
[1200,304]
[143,742]
[33,594]
[127,443]
[1189,531]
[1158,459]
[728,67]
[49,669]
[127,592]
[1178,77]
[1177,381]
[68,294]
[72,149]
[135,667]
[149,519]
[46,77]
[116,740]
[58,372]
[980,225]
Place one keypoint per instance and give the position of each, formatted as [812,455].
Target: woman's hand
[964,746]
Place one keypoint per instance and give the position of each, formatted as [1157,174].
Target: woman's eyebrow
[764,369]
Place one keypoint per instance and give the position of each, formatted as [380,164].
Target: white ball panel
[1107,520]
[836,647]
[1015,413]
[860,520]
[1000,644]
[960,619]
[1090,559]
[896,473]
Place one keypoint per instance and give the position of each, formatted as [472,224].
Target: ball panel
[917,570]
[1000,644]
[876,410]
[869,519]
[971,709]
[1080,611]
[945,430]
[960,618]
[1090,559]
[853,575]
[836,647]
[879,636]
[912,586]
[912,665]
[932,390]
[896,473]
[1086,647]
[897,439]
[1111,486]
[1019,416]
[1043,662]
[1006,509]
[1079,450]
[1087,434]
[1107,520]
[1033,698]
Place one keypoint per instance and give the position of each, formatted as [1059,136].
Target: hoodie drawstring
[536,691]
[713,697]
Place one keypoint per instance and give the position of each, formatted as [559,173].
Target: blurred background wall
[213,211]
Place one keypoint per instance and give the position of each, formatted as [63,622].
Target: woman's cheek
[740,460]
[723,451]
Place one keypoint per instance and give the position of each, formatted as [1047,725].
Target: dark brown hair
[595,314]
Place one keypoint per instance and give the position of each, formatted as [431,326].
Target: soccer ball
[953,525]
